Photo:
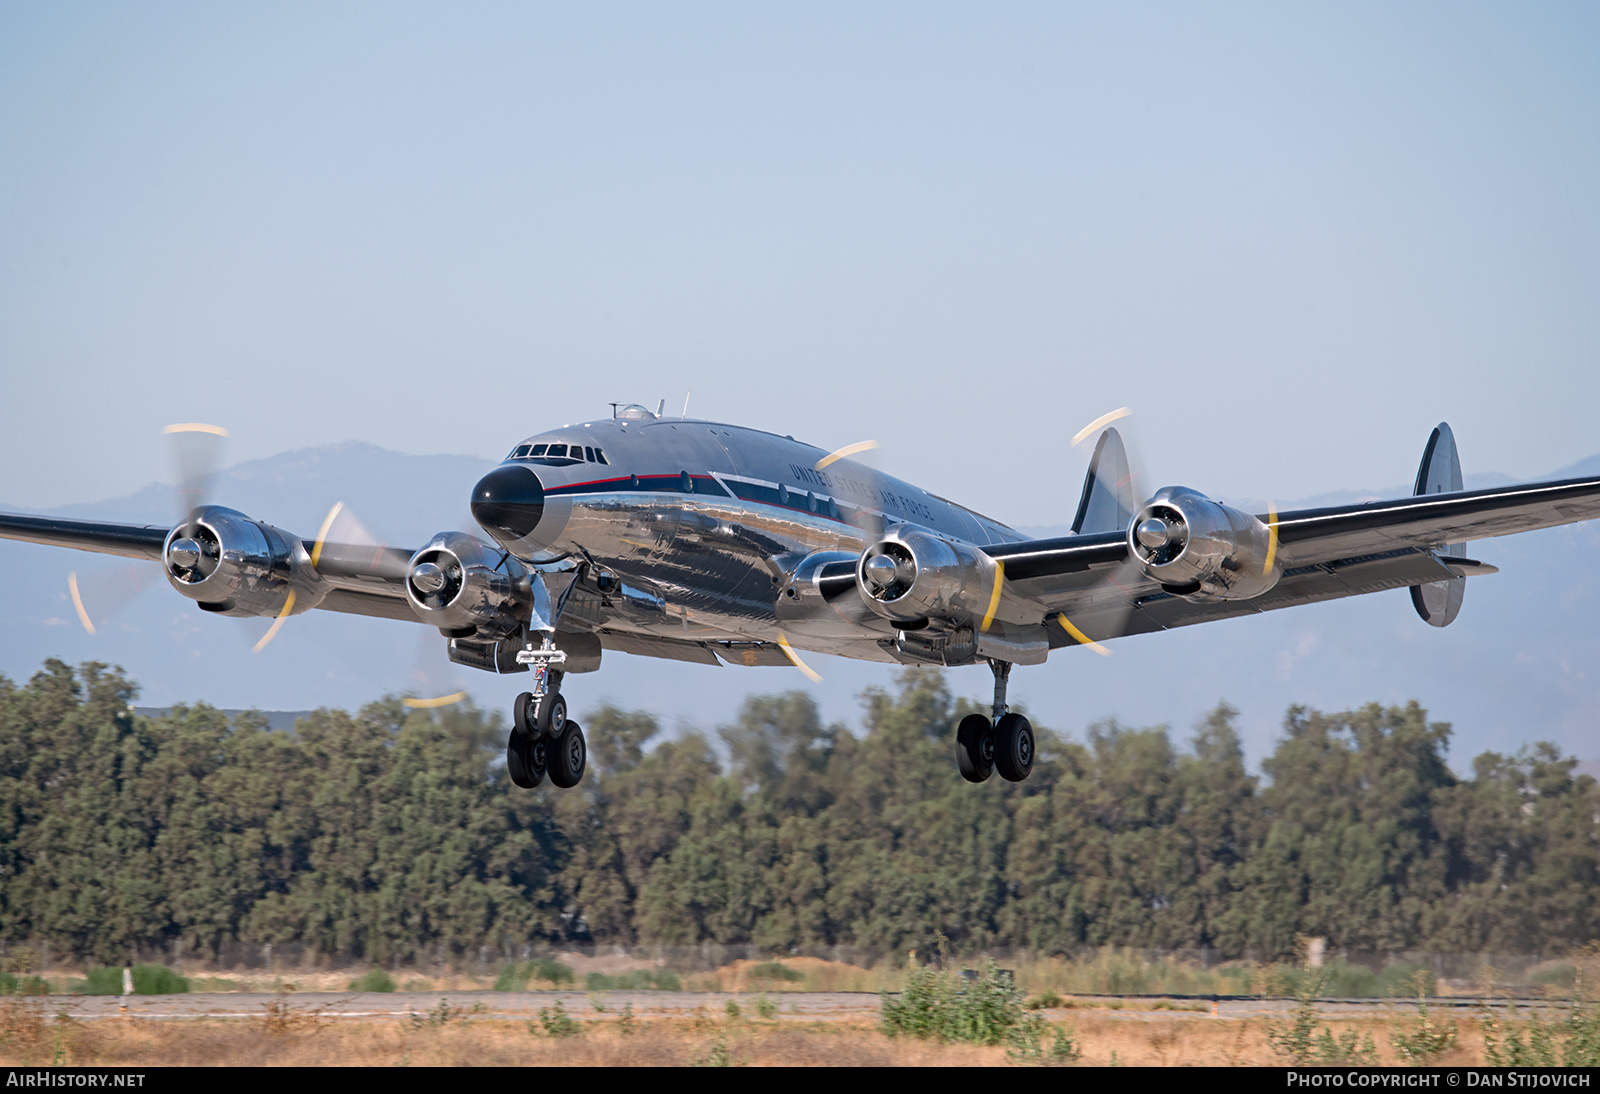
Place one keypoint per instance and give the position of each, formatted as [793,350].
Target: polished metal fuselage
[697,525]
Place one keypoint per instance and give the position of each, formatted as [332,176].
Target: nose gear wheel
[527,758]
[569,755]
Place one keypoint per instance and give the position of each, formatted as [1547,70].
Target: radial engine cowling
[909,576]
[1203,549]
[468,589]
[233,565]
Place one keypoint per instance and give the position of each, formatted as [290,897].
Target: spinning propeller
[342,545]
[857,495]
[1116,498]
[196,452]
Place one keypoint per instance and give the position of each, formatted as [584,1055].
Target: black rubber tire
[553,715]
[975,748]
[569,755]
[520,710]
[526,759]
[1013,748]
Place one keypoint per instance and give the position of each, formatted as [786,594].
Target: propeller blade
[432,680]
[861,505]
[343,547]
[1113,490]
[196,455]
[788,651]
[99,595]
[277,624]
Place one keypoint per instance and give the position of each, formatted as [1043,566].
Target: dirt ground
[463,1030]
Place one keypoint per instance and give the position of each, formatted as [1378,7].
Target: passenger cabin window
[538,450]
[557,451]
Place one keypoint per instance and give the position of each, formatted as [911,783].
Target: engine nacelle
[233,565]
[1203,549]
[468,589]
[911,575]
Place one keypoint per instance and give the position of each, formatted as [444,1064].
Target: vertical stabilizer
[1107,504]
[1439,602]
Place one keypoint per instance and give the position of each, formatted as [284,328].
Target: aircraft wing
[1326,553]
[128,540]
[366,580]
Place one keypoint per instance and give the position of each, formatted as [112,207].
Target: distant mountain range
[1522,663]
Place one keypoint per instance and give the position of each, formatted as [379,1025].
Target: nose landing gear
[543,739]
[1004,744]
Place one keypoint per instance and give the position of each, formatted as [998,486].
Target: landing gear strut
[543,739]
[1004,744]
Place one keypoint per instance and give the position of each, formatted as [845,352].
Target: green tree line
[394,835]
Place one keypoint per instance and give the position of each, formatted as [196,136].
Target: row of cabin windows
[558,452]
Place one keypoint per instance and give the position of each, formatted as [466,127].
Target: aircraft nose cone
[508,503]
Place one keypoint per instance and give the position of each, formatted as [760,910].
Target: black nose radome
[508,503]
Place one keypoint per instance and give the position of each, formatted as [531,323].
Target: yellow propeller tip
[1104,420]
[196,427]
[277,624]
[429,704]
[1083,639]
[847,450]
[810,673]
[77,602]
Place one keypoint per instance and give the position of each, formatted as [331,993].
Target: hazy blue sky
[1292,237]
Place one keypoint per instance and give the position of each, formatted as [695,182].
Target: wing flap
[651,646]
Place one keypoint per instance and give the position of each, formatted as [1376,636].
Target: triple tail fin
[1107,504]
[1439,602]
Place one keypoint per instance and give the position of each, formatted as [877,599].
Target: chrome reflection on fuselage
[702,522]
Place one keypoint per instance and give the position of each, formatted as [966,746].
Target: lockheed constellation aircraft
[715,543]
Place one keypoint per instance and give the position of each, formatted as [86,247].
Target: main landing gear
[1004,744]
[543,739]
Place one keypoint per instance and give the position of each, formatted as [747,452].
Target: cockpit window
[538,450]
[520,451]
[600,456]
[557,451]
[588,453]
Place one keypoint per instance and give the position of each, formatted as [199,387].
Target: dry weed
[283,1018]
